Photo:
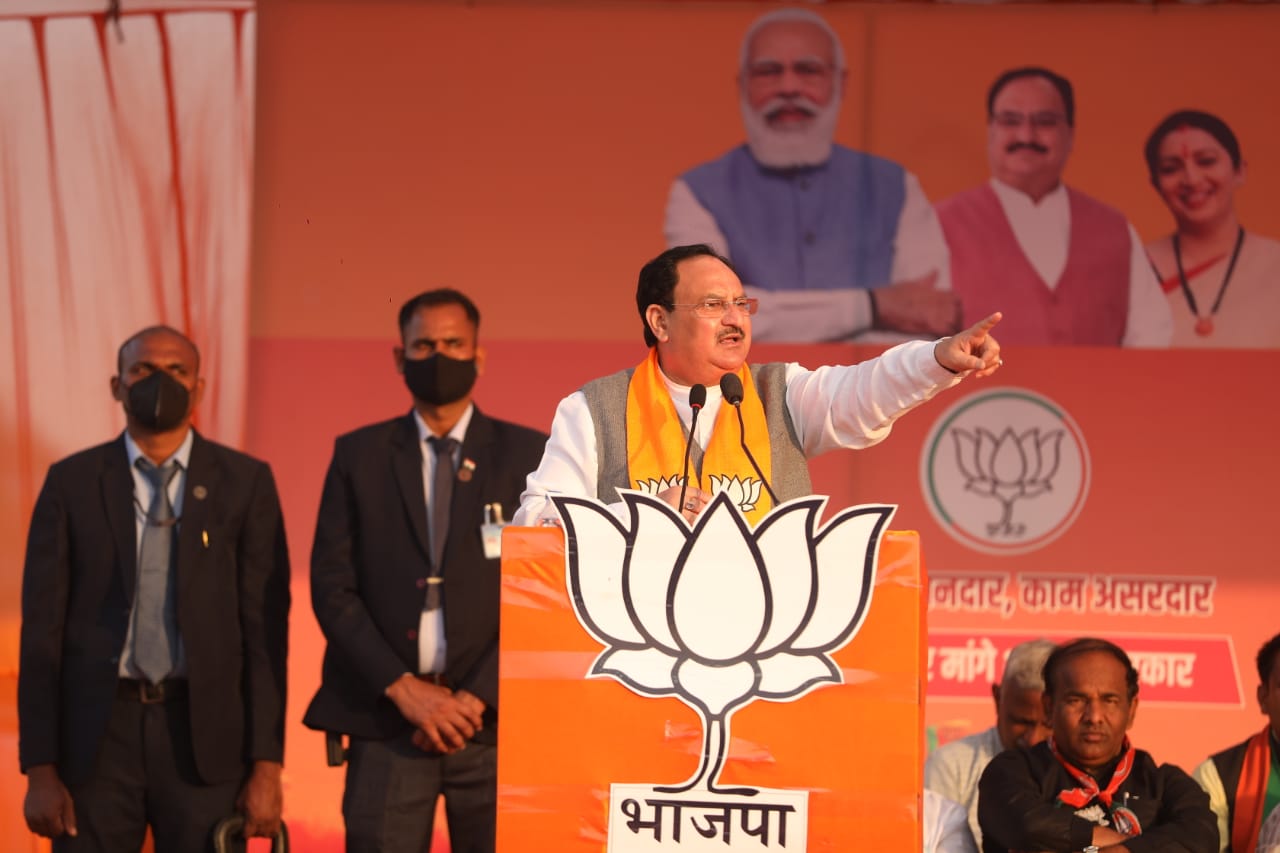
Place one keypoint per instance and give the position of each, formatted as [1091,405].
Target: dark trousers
[390,800]
[146,775]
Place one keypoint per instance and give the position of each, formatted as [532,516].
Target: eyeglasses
[716,308]
[1038,121]
[770,70]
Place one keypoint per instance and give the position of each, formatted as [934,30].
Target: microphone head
[697,396]
[731,388]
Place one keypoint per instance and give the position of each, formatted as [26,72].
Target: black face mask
[438,379]
[158,401]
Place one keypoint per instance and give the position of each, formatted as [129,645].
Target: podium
[855,747]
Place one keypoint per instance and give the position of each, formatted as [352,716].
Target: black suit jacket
[371,558]
[1018,807]
[232,600]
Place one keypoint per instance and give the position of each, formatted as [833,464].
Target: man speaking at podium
[628,430]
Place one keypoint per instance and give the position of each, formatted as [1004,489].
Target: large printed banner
[831,762]
[534,154]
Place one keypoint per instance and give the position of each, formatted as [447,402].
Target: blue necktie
[155,627]
[441,497]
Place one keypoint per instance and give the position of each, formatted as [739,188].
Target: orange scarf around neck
[656,439]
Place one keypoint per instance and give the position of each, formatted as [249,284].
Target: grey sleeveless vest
[607,403]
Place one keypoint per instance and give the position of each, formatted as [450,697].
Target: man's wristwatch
[1092,848]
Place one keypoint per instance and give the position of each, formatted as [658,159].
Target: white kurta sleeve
[688,222]
[855,406]
[569,465]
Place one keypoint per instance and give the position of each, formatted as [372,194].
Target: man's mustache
[729,330]
[785,102]
[1033,146]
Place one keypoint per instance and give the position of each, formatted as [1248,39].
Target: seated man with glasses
[845,244]
[1066,268]
[627,430]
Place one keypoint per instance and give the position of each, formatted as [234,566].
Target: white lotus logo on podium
[720,615]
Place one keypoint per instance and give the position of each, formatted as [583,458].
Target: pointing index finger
[986,324]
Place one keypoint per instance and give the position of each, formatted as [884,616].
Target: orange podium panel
[856,747]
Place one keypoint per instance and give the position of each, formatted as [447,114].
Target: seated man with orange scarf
[1243,782]
[627,430]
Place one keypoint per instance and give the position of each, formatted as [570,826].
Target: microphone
[697,399]
[731,388]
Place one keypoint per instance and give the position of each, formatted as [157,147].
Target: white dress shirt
[944,827]
[953,770]
[431,643]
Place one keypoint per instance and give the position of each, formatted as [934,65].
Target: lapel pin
[204,538]
[199,493]
[467,471]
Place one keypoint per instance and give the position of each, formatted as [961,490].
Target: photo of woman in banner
[1222,282]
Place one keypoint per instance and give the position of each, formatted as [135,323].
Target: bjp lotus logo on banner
[717,615]
[1005,471]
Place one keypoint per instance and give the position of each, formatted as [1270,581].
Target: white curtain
[125,183]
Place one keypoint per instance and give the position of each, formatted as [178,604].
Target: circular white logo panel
[1005,471]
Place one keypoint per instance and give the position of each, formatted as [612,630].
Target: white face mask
[785,149]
